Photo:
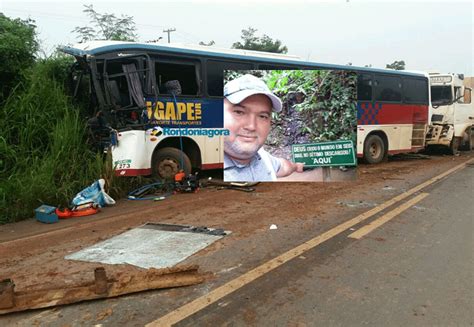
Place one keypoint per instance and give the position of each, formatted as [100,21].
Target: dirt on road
[32,254]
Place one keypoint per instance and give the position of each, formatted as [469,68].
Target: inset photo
[290,125]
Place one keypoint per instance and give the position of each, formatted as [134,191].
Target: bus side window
[215,74]
[186,73]
[415,91]
[364,87]
[388,88]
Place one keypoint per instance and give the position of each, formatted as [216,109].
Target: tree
[264,43]
[18,46]
[106,27]
[397,65]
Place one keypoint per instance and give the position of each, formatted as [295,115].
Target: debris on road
[159,191]
[419,208]
[151,246]
[273,226]
[186,184]
[101,287]
[358,204]
[220,185]
[46,214]
[409,156]
[205,230]
[94,193]
[82,210]
[155,191]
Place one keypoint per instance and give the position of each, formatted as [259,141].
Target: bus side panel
[130,155]
[395,120]
[405,138]
[383,113]
[213,157]
[361,135]
[390,113]
[421,114]
[398,137]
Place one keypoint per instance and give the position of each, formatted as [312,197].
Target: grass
[44,157]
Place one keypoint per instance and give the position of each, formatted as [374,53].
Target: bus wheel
[167,162]
[374,149]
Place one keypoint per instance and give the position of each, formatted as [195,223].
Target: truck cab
[451,113]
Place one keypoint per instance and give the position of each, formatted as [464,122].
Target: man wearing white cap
[248,105]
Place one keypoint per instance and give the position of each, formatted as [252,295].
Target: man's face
[249,124]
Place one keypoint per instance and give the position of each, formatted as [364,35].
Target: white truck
[452,113]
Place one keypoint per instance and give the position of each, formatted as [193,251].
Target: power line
[66,17]
[186,35]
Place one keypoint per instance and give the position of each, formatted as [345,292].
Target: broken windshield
[441,95]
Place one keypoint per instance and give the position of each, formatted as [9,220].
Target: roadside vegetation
[44,154]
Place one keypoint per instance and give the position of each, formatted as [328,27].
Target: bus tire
[166,163]
[374,149]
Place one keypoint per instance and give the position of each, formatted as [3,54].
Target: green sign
[338,153]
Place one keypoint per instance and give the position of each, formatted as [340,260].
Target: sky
[427,35]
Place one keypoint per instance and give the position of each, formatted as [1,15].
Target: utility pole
[169,31]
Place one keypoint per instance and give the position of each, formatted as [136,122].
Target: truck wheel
[471,139]
[166,163]
[469,144]
[454,146]
[374,149]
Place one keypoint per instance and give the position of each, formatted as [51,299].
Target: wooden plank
[100,288]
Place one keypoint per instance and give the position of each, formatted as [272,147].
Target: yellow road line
[387,217]
[200,303]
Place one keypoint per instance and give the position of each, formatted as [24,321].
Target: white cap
[241,88]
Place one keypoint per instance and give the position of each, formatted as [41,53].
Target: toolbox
[46,214]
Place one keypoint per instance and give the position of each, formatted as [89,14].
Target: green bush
[45,157]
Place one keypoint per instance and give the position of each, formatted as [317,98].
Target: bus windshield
[441,95]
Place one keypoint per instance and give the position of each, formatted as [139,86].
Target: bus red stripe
[212,166]
[133,172]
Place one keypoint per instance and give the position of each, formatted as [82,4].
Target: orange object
[84,212]
[76,213]
[62,214]
[179,176]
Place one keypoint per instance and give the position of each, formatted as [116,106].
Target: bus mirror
[173,87]
[467,95]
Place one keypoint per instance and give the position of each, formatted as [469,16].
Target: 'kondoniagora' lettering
[209,132]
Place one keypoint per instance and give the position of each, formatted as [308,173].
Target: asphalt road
[415,270]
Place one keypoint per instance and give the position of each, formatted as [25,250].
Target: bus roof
[94,48]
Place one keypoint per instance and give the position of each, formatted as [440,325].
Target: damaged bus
[140,92]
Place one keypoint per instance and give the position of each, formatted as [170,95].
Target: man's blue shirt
[258,169]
